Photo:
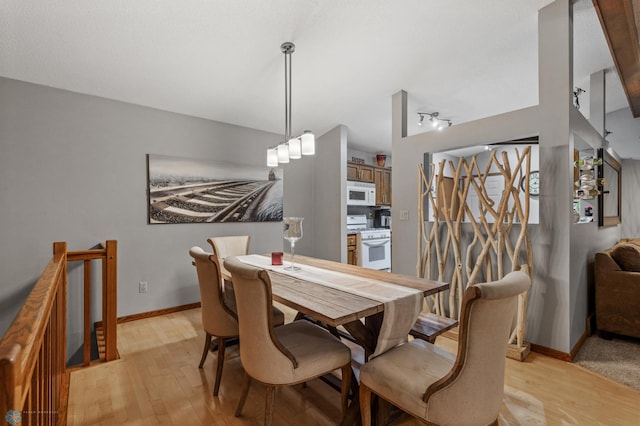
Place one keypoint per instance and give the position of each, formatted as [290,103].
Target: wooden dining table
[333,307]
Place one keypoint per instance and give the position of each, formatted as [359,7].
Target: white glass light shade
[283,153]
[308,143]
[295,150]
[272,157]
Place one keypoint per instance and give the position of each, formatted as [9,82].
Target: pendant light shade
[295,151]
[283,153]
[272,157]
[308,143]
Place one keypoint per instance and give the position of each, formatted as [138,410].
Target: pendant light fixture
[293,147]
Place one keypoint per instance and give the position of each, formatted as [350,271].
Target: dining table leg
[366,335]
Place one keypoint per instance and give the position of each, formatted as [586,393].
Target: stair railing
[33,351]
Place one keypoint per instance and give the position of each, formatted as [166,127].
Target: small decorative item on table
[276,258]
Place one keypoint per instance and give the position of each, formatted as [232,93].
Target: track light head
[434,118]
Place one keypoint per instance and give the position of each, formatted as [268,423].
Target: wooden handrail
[33,351]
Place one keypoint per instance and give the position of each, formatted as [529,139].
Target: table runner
[402,305]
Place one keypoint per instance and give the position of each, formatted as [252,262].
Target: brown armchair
[617,289]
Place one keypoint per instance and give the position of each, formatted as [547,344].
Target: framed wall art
[185,190]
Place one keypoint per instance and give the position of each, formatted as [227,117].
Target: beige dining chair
[442,389]
[291,354]
[236,245]
[223,247]
[219,316]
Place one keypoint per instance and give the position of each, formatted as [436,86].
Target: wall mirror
[610,200]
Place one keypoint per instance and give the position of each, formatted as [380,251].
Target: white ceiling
[221,59]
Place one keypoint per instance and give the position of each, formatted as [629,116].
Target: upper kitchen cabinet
[360,172]
[382,179]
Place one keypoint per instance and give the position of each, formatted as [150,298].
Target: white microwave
[361,194]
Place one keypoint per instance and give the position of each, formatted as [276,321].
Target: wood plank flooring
[157,382]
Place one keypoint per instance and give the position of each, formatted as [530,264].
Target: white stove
[374,244]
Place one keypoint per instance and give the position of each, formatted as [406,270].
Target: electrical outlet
[143,287]
[404,214]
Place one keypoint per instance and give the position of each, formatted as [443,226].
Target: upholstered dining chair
[223,247]
[291,354]
[219,316]
[431,384]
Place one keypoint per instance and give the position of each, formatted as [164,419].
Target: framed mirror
[610,199]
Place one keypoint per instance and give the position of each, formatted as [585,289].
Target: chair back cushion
[474,388]
[217,318]
[224,247]
[263,357]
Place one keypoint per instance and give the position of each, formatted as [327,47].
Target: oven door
[376,254]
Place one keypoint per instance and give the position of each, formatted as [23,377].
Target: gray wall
[73,168]
[585,239]
[407,157]
[314,189]
[329,196]
[551,294]
[624,134]
[557,309]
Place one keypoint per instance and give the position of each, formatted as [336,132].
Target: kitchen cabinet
[360,172]
[352,251]
[382,179]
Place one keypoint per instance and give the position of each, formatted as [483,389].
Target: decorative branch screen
[476,230]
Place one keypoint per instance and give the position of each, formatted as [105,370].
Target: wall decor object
[186,190]
[534,183]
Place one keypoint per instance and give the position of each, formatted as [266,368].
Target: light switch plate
[404,214]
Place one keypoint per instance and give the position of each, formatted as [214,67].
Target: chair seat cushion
[402,374]
[316,351]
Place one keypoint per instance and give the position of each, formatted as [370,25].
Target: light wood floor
[157,382]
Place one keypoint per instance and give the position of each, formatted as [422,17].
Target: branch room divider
[473,228]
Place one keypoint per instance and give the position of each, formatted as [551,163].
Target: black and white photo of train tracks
[198,199]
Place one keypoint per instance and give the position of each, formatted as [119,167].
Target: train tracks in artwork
[218,201]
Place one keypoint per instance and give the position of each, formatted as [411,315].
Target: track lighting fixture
[576,93]
[435,120]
